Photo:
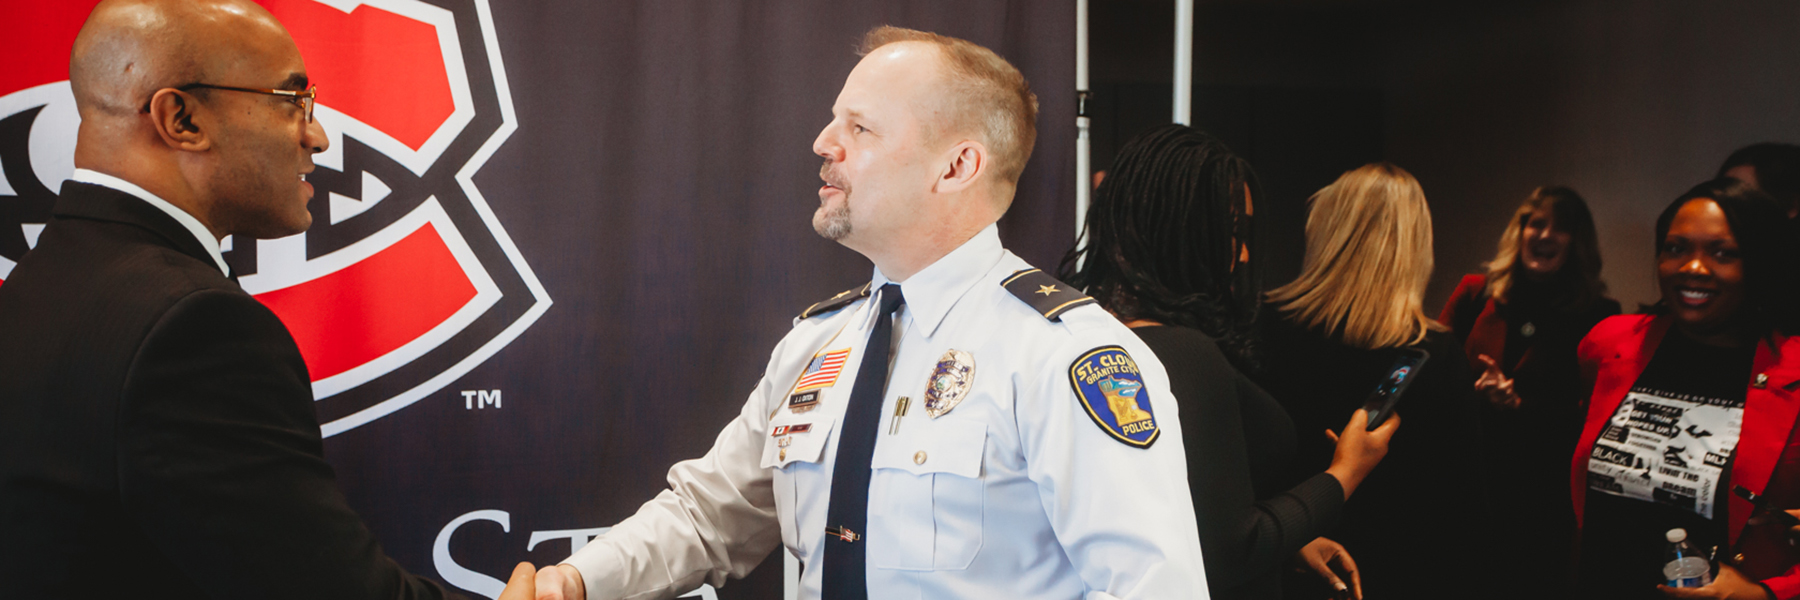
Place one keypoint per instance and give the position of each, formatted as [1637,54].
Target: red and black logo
[406,280]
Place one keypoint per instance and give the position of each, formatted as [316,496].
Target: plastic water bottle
[1686,566]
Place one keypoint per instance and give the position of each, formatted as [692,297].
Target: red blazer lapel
[1612,357]
[1769,414]
[1488,336]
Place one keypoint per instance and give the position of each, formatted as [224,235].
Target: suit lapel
[100,203]
[1488,336]
[1769,414]
[1631,350]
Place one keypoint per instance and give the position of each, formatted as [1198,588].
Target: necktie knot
[891,298]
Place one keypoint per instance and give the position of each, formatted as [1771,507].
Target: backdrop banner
[553,242]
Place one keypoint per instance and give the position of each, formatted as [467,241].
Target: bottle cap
[1676,535]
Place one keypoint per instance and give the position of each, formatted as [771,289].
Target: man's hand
[561,582]
[520,586]
[1497,386]
[1328,558]
[1730,585]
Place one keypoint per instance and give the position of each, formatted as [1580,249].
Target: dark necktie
[847,516]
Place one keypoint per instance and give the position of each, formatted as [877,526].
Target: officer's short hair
[988,96]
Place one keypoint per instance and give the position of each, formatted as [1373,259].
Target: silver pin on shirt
[900,407]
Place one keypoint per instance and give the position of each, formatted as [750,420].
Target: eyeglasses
[306,99]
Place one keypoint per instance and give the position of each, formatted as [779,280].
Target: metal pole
[1084,180]
[1184,61]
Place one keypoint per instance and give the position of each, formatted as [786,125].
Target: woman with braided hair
[1168,251]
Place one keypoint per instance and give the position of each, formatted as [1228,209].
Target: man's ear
[965,166]
[173,113]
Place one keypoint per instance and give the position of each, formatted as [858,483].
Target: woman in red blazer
[1691,401]
[1518,325]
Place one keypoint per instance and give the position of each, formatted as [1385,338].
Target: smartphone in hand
[1406,368]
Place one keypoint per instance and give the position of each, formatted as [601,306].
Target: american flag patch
[823,371]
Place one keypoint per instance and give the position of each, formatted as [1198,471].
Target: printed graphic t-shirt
[1662,461]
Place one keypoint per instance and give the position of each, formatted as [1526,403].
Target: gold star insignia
[1047,290]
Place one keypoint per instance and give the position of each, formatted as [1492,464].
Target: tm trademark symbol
[473,399]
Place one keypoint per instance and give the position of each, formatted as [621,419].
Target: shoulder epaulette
[1044,293]
[841,300]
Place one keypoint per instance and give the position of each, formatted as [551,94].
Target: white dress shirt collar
[186,220]
[932,291]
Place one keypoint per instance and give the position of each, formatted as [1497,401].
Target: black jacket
[157,434]
[1240,452]
[1415,526]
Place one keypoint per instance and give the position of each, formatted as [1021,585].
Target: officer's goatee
[832,223]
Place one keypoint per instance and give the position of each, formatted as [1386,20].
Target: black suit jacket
[157,433]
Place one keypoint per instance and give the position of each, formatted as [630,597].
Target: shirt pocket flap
[791,438]
[953,447]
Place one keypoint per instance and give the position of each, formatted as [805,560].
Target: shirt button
[919,457]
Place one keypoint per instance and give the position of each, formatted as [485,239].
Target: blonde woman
[1329,337]
[1519,324]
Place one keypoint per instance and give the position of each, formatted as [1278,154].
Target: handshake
[556,582]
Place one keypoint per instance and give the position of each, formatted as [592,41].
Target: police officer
[962,426]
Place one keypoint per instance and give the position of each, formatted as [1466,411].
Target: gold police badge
[950,382]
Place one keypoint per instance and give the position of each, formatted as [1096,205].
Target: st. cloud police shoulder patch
[1112,391]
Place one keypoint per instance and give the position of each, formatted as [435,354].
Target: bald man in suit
[157,433]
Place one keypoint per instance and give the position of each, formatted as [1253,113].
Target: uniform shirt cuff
[593,562]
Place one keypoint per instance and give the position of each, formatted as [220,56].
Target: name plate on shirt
[794,438]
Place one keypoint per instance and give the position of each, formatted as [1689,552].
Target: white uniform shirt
[1017,492]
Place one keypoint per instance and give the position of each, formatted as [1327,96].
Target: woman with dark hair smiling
[1168,251]
[1519,324]
[1691,401]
